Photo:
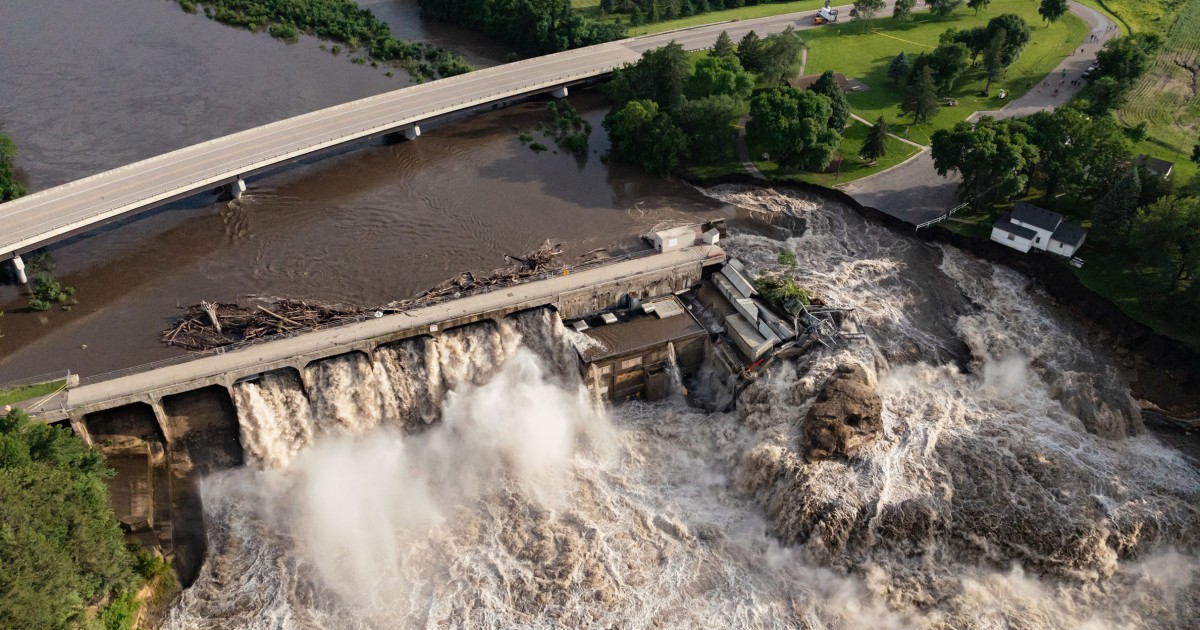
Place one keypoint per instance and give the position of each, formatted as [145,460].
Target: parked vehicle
[825,15]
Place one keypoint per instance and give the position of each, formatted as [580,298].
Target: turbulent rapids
[470,480]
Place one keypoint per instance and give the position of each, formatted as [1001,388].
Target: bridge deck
[268,355]
[45,216]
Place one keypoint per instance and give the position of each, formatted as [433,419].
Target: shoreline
[1164,372]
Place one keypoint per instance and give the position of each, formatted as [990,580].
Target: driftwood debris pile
[208,325]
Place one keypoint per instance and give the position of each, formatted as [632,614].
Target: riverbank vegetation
[64,559]
[341,21]
[535,28]
[10,188]
[29,392]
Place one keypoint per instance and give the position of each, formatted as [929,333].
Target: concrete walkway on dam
[913,192]
[46,216]
[572,294]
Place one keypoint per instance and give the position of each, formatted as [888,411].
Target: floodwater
[83,93]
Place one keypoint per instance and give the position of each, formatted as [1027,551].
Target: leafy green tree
[1016,35]
[978,4]
[976,39]
[723,47]
[660,75]
[1113,214]
[1052,10]
[827,86]
[719,75]
[750,52]
[1167,235]
[710,124]
[780,56]
[10,188]
[61,550]
[899,67]
[991,156]
[1105,94]
[1196,153]
[902,10]
[793,125]
[1127,58]
[993,60]
[866,9]
[921,101]
[943,8]
[643,135]
[875,146]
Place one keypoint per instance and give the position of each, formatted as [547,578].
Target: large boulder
[844,418]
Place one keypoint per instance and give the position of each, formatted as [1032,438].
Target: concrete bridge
[572,294]
[47,216]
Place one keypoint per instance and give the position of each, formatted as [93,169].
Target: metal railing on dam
[572,294]
[46,216]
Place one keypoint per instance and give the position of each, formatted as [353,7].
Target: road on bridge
[46,216]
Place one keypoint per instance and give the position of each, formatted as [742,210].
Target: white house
[1030,227]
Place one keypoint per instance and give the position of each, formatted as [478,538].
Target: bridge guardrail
[192,356]
[49,377]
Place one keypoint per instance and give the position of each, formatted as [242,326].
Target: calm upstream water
[83,93]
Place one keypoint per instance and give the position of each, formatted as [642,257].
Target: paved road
[45,216]
[268,355]
[914,192]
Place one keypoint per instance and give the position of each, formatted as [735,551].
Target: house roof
[1005,223]
[1069,234]
[805,82]
[1155,165]
[1035,216]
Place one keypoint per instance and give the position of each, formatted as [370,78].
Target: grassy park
[865,54]
[27,392]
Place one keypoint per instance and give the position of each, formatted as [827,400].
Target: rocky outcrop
[844,418]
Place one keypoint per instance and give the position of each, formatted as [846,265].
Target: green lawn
[28,392]
[726,15]
[1163,97]
[865,56]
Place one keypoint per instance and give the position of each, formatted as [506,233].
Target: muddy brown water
[85,90]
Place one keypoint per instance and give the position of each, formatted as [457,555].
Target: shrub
[787,257]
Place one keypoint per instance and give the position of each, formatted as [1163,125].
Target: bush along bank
[341,21]
[1165,372]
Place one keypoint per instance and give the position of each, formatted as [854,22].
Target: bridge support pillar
[559,92]
[19,270]
[233,190]
[412,132]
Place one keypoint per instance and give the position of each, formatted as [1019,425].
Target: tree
[780,56]
[719,75]
[921,101]
[750,52]
[793,126]
[1113,214]
[1196,153]
[978,4]
[1127,58]
[975,39]
[993,60]
[902,11]
[875,146]
[827,86]
[723,46]
[1051,10]
[10,188]
[991,156]
[60,547]
[1167,235]
[899,67]
[866,9]
[659,75]
[711,125]
[943,8]
[643,135]
[948,62]
[1016,35]
[1105,94]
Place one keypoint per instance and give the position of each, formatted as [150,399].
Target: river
[368,225]
[1012,485]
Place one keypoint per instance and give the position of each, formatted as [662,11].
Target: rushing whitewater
[469,480]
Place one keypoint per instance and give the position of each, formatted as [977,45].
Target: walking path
[913,191]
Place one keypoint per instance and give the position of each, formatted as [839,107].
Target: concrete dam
[164,429]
